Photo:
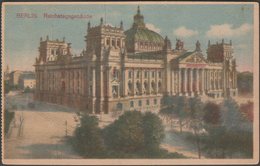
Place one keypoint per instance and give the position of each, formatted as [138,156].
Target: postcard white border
[255,158]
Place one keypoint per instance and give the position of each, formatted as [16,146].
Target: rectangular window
[147,102]
[129,74]
[155,101]
[145,74]
[118,43]
[108,41]
[137,74]
[160,74]
[153,74]
[113,42]
[131,103]
[140,103]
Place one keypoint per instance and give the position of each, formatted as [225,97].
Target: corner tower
[223,53]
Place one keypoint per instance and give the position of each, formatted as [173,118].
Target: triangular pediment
[195,57]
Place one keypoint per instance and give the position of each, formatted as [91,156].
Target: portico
[196,77]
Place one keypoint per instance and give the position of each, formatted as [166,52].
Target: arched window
[138,74]
[130,86]
[139,87]
[145,85]
[63,88]
[118,43]
[145,74]
[129,74]
[108,42]
[159,84]
[153,85]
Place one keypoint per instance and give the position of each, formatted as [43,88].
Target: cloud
[185,32]
[153,28]
[227,30]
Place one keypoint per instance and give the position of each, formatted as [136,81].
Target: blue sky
[187,22]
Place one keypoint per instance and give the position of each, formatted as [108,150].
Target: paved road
[39,133]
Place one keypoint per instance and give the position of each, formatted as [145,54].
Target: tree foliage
[153,132]
[247,111]
[126,134]
[245,83]
[230,134]
[134,131]
[8,117]
[88,139]
[175,107]
[212,113]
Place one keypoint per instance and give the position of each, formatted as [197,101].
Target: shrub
[88,140]
[126,134]
[8,116]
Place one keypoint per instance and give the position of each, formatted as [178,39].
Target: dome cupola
[140,39]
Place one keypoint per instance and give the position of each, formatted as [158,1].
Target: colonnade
[142,81]
[191,81]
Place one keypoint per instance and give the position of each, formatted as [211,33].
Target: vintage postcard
[131,83]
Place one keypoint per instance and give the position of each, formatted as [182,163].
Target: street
[40,132]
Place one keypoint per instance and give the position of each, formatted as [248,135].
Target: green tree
[247,111]
[88,139]
[126,134]
[153,132]
[212,115]
[245,83]
[175,107]
[27,90]
[195,117]
[237,128]
[8,117]
[6,87]
[229,134]
[230,114]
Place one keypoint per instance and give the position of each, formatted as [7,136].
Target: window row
[140,103]
[146,73]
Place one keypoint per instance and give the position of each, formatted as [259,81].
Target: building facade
[14,78]
[130,70]
[28,80]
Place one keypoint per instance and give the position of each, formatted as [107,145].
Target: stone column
[205,80]
[202,82]
[179,80]
[191,83]
[235,80]
[108,86]
[210,78]
[149,81]
[142,80]
[125,82]
[110,41]
[219,76]
[197,80]
[156,81]
[86,81]
[215,78]
[93,82]
[185,81]
[172,82]
[133,83]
